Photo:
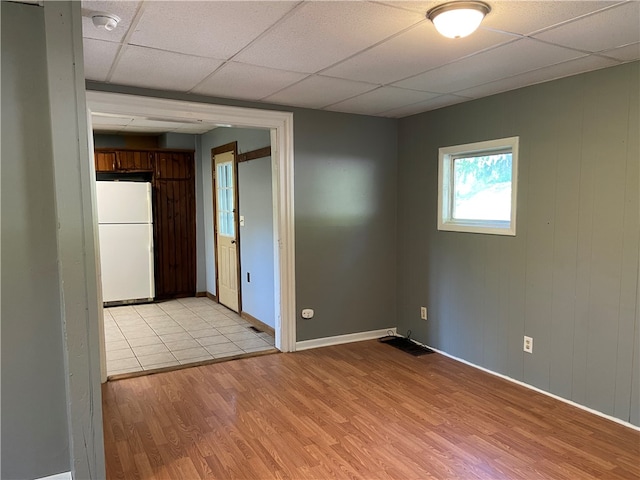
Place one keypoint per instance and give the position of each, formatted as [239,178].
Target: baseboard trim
[59,476]
[340,339]
[536,389]
[258,324]
[211,296]
[201,294]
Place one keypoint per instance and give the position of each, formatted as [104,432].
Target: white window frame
[446,157]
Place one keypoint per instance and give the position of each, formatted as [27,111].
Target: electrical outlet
[528,344]
[423,313]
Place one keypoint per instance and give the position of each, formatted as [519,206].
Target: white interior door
[226,235]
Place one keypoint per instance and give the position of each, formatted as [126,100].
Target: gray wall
[178,140]
[569,277]
[345,214]
[255,202]
[35,441]
[102,140]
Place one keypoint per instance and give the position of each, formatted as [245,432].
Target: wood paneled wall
[175,224]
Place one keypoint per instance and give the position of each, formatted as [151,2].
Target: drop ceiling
[374,58]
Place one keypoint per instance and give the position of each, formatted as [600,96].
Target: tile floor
[176,332]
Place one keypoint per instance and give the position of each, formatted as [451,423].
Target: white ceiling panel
[505,61]
[265,50]
[143,129]
[319,34]
[381,100]
[522,17]
[526,17]
[126,10]
[194,129]
[584,33]
[99,128]
[248,82]
[419,49]
[438,102]
[151,68]
[565,69]
[110,121]
[627,53]
[214,29]
[98,58]
[317,91]
[153,123]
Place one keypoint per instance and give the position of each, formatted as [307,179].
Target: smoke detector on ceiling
[108,21]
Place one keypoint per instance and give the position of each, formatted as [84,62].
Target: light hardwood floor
[361,411]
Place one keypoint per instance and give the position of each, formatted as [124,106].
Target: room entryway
[177,332]
[225,198]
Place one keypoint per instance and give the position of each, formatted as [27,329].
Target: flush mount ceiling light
[458,19]
[108,21]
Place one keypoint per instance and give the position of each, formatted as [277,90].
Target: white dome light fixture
[108,21]
[458,19]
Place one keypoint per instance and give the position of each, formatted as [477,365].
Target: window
[477,187]
[224,177]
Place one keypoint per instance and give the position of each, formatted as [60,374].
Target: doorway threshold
[173,368]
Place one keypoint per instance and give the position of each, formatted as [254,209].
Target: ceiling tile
[154,123]
[381,100]
[98,58]
[522,17]
[565,69]
[526,17]
[318,91]
[143,129]
[209,29]
[163,70]
[504,61]
[419,49]
[438,102]
[588,34]
[627,53]
[248,82]
[194,129]
[125,10]
[107,128]
[319,34]
[102,121]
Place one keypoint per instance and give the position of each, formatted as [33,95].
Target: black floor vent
[406,345]
[257,330]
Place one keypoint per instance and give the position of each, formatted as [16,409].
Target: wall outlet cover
[307,313]
[528,344]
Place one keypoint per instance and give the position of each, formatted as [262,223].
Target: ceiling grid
[380,58]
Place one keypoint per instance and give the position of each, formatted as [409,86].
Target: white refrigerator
[126,241]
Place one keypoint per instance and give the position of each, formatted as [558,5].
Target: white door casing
[281,125]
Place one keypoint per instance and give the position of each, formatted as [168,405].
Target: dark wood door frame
[228,147]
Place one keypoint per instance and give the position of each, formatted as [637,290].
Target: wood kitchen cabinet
[105,161]
[174,212]
[133,160]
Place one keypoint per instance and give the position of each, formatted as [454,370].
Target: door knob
[233,241]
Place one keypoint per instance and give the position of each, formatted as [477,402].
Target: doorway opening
[280,125]
[226,231]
